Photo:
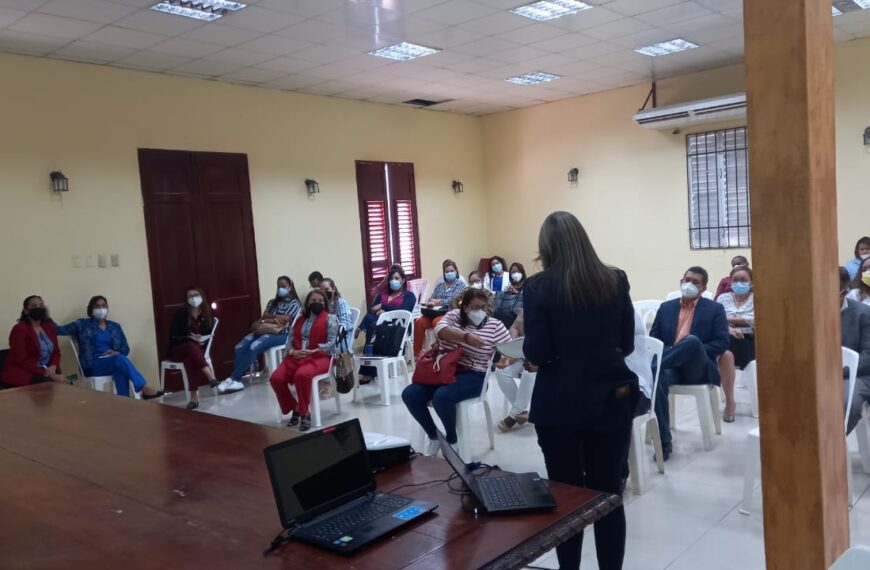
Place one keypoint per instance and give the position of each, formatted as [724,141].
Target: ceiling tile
[329,71]
[475,65]
[9,16]
[585,19]
[494,24]
[354,17]
[324,54]
[634,7]
[518,54]
[29,43]
[644,38]
[215,33]
[287,65]
[448,38]
[91,52]
[455,12]
[186,48]
[531,33]
[292,82]
[674,14]
[207,67]
[276,45]
[252,75]
[313,31]
[260,19]
[115,36]
[47,25]
[366,41]
[618,29]
[302,8]
[26,5]
[485,46]
[240,56]
[158,23]
[565,41]
[549,60]
[722,5]
[707,29]
[152,61]
[594,50]
[98,11]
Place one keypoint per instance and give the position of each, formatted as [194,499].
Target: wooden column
[789,72]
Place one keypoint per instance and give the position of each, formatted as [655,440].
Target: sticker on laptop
[409,513]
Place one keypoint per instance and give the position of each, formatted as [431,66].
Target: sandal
[191,405]
[506,424]
[305,423]
[728,419]
[522,418]
[363,379]
[294,419]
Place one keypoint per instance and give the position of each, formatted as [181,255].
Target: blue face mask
[496,267]
[450,276]
[741,288]
[283,292]
[395,284]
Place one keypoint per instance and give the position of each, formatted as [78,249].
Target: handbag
[343,372]
[437,367]
[433,312]
[388,338]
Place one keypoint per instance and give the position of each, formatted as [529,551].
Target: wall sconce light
[867,136]
[312,186]
[458,187]
[572,174]
[59,182]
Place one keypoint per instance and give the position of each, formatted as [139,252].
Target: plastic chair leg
[672,408]
[714,407]
[652,433]
[489,425]
[462,429]
[385,379]
[337,398]
[862,431]
[750,468]
[315,401]
[705,415]
[636,465]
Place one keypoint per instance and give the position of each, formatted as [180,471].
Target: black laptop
[501,491]
[326,494]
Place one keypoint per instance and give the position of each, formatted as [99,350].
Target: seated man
[855,327]
[694,331]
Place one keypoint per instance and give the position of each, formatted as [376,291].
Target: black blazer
[709,324]
[580,354]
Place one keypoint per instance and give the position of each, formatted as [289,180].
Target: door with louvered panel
[388,219]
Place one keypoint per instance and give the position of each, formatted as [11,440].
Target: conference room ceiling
[321,46]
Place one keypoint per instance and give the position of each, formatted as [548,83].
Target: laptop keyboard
[502,491]
[343,524]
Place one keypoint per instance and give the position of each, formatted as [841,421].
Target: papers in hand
[512,348]
[204,338]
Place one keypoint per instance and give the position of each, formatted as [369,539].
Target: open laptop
[501,492]
[326,492]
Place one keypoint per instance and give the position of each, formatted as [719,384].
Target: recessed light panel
[404,51]
[550,9]
[532,78]
[665,48]
[207,10]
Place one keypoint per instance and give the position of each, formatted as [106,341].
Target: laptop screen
[317,472]
[455,462]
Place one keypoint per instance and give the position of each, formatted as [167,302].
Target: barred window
[718,175]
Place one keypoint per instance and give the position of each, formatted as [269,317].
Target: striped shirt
[491,332]
[289,307]
[341,309]
[448,291]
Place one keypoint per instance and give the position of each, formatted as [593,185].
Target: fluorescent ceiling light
[208,10]
[532,78]
[845,6]
[835,12]
[550,9]
[665,48]
[864,4]
[404,51]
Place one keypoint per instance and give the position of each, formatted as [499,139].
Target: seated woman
[188,336]
[443,294]
[740,310]
[34,356]
[861,284]
[103,350]
[340,308]
[725,283]
[509,303]
[472,328]
[475,281]
[862,253]
[518,396]
[267,332]
[311,342]
[395,297]
[496,279]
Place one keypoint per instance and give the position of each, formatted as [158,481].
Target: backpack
[388,338]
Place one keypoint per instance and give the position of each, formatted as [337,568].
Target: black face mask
[329,295]
[38,314]
[316,307]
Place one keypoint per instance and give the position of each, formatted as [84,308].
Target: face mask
[689,290]
[741,288]
[864,256]
[100,313]
[450,276]
[316,307]
[476,285]
[476,316]
[865,277]
[516,277]
[194,301]
[395,284]
[496,268]
[38,314]
[283,292]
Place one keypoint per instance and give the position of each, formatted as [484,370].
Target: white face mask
[100,313]
[864,256]
[477,285]
[516,276]
[689,290]
[194,301]
[476,316]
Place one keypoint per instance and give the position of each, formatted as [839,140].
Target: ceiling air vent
[424,102]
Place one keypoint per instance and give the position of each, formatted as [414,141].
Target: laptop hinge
[333,512]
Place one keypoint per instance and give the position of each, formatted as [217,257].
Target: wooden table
[94,481]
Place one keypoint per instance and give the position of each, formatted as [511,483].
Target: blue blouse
[46,347]
[86,331]
[496,282]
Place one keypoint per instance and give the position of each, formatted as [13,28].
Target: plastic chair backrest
[655,347]
[850,361]
[75,350]
[210,340]
[402,316]
[355,313]
[647,308]
[856,558]
[489,370]
[418,287]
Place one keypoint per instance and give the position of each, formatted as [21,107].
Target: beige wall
[89,121]
[632,192]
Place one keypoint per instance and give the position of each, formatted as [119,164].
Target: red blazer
[22,362]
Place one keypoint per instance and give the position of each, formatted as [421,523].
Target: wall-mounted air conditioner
[716,109]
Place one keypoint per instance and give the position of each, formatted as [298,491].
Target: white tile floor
[686,521]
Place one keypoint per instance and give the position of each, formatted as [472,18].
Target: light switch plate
[114,260]
[101,260]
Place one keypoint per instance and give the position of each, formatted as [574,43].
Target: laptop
[501,492]
[325,490]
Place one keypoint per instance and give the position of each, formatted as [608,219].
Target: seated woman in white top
[639,363]
[861,285]
[518,396]
[497,279]
[740,309]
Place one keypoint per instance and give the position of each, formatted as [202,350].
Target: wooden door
[200,231]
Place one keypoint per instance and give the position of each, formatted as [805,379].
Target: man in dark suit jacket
[694,331]
[855,328]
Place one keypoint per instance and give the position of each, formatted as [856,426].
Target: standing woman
[740,310]
[34,356]
[496,279]
[579,325]
[103,349]
[188,336]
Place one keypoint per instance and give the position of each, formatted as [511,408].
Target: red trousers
[192,355]
[299,372]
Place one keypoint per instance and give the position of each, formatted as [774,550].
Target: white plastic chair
[856,558]
[99,382]
[330,376]
[383,364]
[175,365]
[647,309]
[418,287]
[862,431]
[707,401]
[646,426]
[677,294]
[749,378]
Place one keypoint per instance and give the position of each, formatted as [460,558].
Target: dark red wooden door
[200,231]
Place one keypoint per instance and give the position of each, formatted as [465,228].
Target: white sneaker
[432,448]
[229,385]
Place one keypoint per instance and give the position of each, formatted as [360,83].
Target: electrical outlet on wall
[114,260]
[101,260]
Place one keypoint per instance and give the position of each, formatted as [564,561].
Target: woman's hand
[735,333]
[50,370]
[57,378]
[472,339]
[505,362]
[530,367]
[195,337]
[435,302]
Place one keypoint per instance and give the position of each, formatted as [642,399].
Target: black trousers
[593,457]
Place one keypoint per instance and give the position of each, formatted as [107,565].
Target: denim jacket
[85,333]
